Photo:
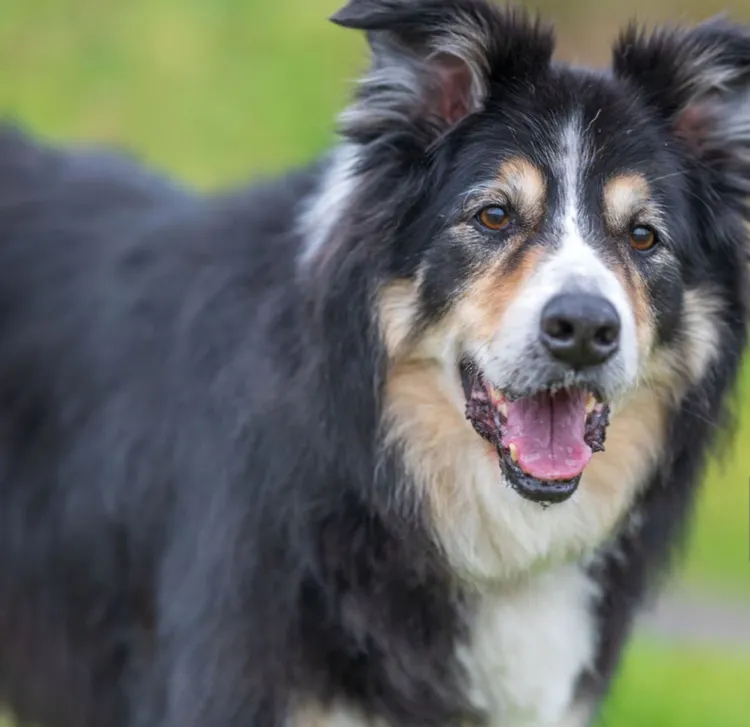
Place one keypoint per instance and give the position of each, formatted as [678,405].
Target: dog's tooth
[497,395]
[590,403]
[513,451]
[502,407]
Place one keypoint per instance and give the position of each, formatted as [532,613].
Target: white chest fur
[529,644]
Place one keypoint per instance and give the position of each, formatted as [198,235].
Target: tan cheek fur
[489,295]
[482,305]
[635,287]
[397,309]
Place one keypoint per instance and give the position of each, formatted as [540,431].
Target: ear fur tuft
[434,62]
[698,81]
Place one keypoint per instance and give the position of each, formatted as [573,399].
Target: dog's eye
[642,238]
[494,218]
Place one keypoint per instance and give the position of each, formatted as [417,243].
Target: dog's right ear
[434,62]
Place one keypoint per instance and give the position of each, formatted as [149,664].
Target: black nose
[580,329]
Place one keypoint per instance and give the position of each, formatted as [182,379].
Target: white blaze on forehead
[571,161]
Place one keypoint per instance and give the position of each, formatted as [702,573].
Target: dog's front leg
[206,668]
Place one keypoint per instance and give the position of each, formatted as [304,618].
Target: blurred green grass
[216,91]
[719,552]
[662,686]
[210,89]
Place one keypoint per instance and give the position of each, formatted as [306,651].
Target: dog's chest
[528,646]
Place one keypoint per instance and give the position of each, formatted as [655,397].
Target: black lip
[468,373]
[530,488]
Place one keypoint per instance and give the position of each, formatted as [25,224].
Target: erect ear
[698,80]
[434,61]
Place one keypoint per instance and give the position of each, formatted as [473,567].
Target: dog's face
[549,273]
[555,256]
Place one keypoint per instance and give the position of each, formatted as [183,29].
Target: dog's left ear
[698,81]
[434,62]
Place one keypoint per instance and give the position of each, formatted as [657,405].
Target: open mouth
[544,441]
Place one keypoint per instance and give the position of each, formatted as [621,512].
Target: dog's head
[548,241]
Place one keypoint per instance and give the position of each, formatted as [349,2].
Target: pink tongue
[547,430]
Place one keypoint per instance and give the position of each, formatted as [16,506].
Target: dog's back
[70,328]
[122,297]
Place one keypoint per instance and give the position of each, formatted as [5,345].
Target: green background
[218,91]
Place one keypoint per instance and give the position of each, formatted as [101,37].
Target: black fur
[197,523]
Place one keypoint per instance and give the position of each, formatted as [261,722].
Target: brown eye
[494,218]
[642,238]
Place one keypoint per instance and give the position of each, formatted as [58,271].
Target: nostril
[606,335]
[559,328]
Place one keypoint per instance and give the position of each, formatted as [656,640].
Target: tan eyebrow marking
[525,185]
[625,195]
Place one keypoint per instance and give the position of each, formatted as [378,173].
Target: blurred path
[700,619]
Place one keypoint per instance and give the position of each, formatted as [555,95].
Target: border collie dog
[399,439]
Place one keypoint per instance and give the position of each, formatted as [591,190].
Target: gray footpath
[698,618]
